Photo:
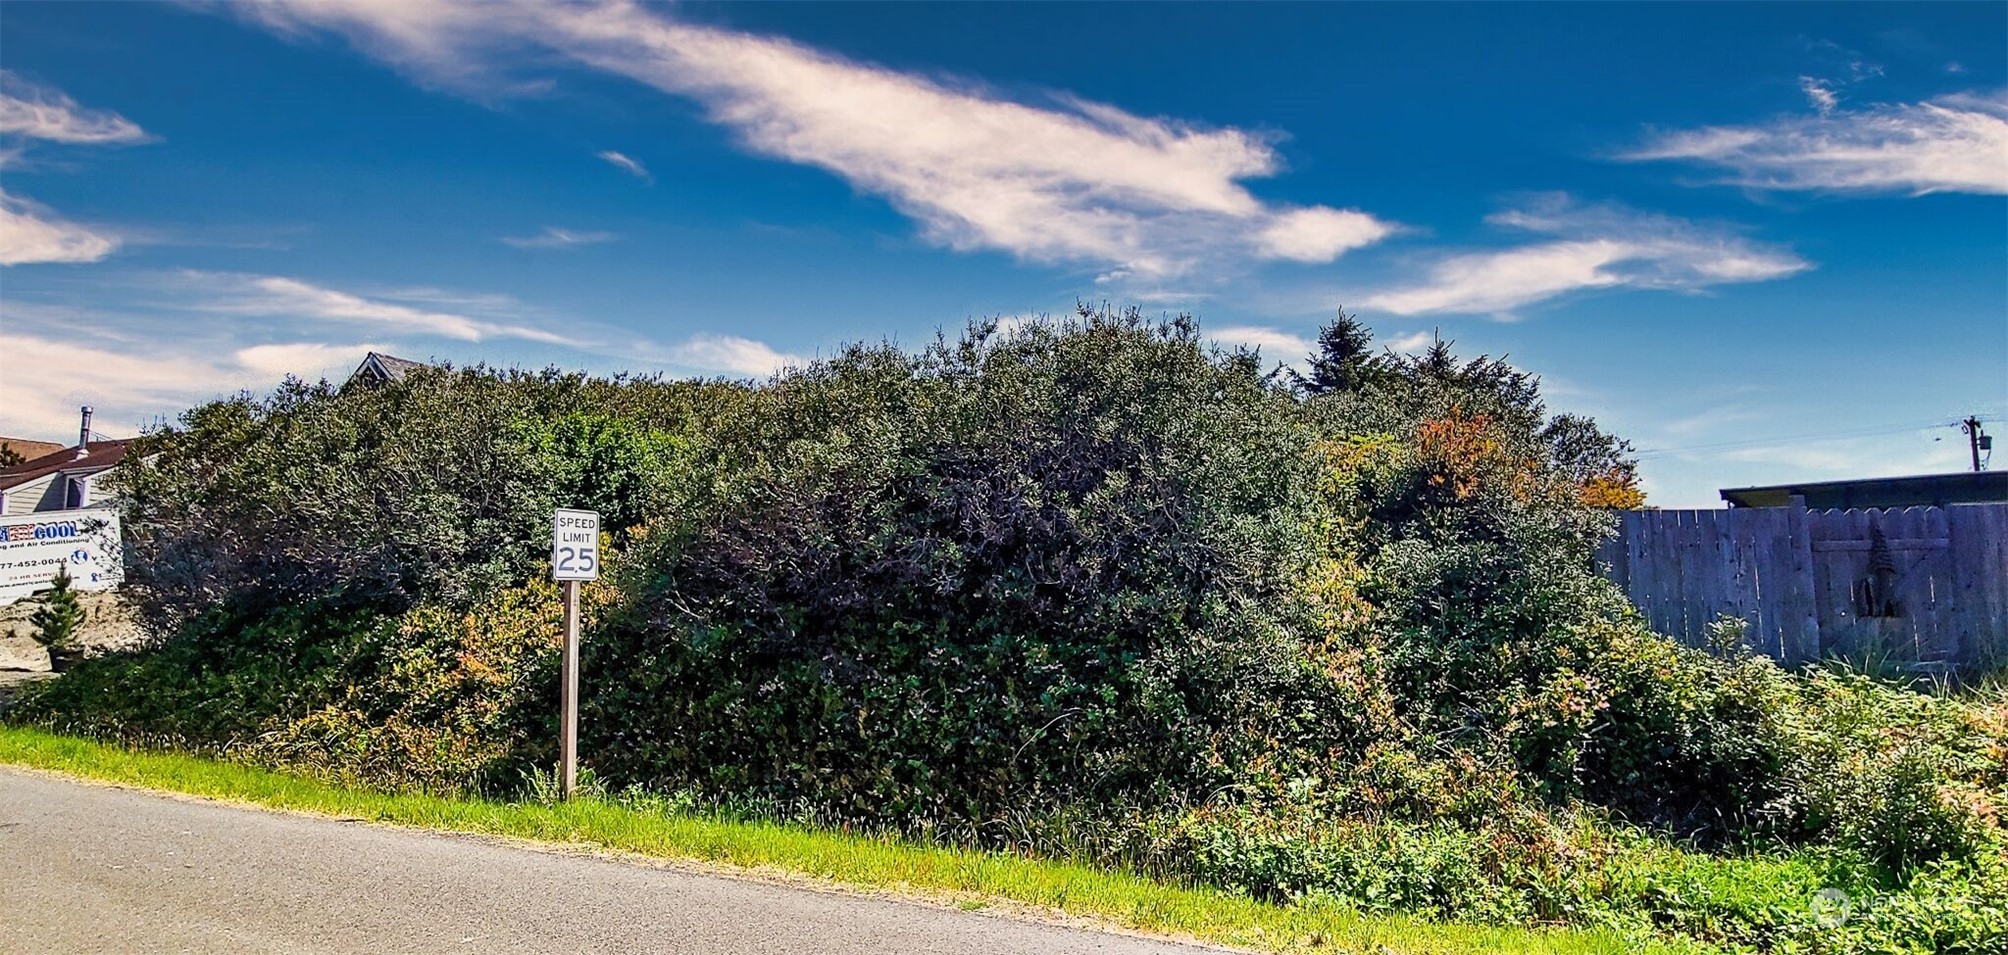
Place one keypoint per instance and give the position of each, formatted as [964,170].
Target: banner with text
[33,546]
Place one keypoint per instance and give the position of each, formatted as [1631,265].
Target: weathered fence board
[1918,585]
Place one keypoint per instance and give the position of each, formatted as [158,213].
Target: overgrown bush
[969,579]
[1088,588]
[432,488]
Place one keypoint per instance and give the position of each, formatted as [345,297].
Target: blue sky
[1766,243]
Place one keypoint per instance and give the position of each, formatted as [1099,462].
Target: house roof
[103,454]
[1937,490]
[30,450]
[377,366]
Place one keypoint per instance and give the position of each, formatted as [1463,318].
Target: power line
[1834,435]
[1805,436]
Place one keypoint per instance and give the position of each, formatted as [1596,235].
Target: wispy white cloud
[730,354]
[632,166]
[1412,343]
[1274,343]
[1956,143]
[1592,247]
[33,111]
[1914,453]
[280,296]
[1715,419]
[30,233]
[303,359]
[1502,281]
[101,345]
[54,368]
[131,383]
[274,325]
[1820,93]
[1069,181]
[555,238]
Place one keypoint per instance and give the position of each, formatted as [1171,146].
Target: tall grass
[968,879]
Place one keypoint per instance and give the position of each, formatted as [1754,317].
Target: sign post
[575,556]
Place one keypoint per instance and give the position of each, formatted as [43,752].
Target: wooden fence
[1924,586]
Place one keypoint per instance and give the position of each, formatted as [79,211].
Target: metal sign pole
[568,732]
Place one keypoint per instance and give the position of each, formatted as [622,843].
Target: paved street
[91,869]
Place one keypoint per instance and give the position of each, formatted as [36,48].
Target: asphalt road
[87,869]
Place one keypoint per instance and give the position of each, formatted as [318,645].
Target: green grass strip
[971,879]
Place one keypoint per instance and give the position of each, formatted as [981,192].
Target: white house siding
[55,496]
[28,497]
[50,492]
[97,490]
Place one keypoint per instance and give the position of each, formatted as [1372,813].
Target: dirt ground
[109,624]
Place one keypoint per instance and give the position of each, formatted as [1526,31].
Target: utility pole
[1973,439]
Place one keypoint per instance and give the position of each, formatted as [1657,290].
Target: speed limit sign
[575,556]
[575,545]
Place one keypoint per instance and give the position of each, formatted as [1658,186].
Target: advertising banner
[33,546]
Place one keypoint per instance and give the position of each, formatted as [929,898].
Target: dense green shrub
[435,699]
[1088,588]
[435,487]
[959,571]
[216,683]
[447,700]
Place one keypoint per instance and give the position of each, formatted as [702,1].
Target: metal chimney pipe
[84,435]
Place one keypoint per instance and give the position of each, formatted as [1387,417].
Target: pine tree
[60,616]
[1344,360]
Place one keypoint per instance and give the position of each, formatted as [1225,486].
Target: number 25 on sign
[575,545]
[575,556]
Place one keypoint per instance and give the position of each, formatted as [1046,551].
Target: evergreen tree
[60,616]
[1344,360]
[1437,362]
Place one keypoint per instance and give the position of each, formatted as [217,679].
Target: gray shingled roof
[394,366]
[377,366]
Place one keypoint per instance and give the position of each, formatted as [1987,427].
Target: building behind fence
[1920,586]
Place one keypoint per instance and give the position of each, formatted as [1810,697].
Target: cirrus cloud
[627,164]
[1066,181]
[150,380]
[555,238]
[730,354]
[1592,247]
[33,111]
[1273,343]
[406,313]
[30,233]
[1956,143]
